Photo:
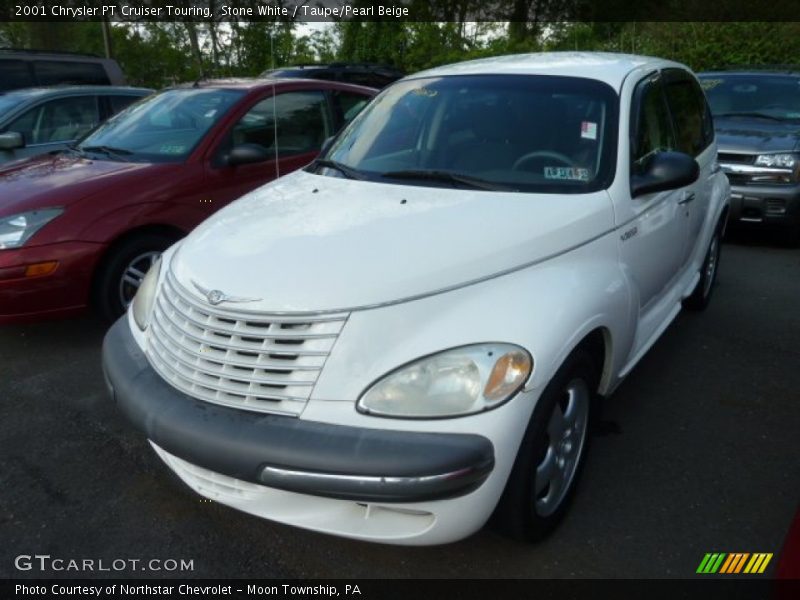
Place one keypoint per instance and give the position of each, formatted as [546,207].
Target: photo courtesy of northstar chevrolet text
[288,288]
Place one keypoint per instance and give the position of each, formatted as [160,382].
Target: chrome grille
[254,361]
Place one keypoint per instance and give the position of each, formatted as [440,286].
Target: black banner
[705,588]
[397,10]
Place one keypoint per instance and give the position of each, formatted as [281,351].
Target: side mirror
[245,154]
[665,171]
[11,140]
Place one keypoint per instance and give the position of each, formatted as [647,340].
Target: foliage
[159,54]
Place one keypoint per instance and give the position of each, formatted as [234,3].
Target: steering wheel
[542,154]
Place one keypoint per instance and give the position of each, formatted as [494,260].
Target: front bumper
[62,293]
[287,453]
[766,204]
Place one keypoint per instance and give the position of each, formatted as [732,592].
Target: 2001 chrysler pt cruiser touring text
[409,335]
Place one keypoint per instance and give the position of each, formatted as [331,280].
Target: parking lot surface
[698,452]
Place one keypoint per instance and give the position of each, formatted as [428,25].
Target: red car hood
[61,180]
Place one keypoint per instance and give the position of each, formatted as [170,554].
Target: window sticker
[566,173]
[172,149]
[209,114]
[710,84]
[589,130]
[424,92]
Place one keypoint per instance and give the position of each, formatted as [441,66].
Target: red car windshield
[165,127]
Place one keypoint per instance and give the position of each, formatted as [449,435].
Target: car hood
[754,136]
[313,243]
[60,180]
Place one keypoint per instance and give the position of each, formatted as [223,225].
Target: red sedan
[81,228]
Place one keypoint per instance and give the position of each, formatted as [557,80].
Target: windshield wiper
[72,150]
[757,115]
[448,177]
[111,151]
[348,172]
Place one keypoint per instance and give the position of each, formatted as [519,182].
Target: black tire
[134,252]
[701,295]
[522,513]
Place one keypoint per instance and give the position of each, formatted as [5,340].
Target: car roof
[252,83]
[609,67]
[41,92]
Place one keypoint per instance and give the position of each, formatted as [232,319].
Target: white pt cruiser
[411,334]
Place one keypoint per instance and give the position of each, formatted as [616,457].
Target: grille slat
[208,338]
[260,362]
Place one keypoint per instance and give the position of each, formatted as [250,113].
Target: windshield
[491,132]
[773,96]
[165,127]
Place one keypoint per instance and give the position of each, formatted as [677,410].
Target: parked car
[82,227]
[31,68]
[411,333]
[368,74]
[39,120]
[757,118]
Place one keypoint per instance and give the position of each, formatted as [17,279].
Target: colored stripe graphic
[711,562]
[722,563]
[758,563]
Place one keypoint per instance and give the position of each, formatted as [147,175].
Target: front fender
[547,308]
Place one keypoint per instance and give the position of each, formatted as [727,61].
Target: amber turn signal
[40,269]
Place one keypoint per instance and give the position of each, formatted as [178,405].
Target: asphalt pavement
[698,452]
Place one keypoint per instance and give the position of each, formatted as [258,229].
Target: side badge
[629,234]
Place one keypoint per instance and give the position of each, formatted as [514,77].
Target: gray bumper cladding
[288,453]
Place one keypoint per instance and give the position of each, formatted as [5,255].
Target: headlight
[778,161]
[142,305]
[17,229]
[452,383]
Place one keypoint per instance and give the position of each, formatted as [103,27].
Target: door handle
[687,198]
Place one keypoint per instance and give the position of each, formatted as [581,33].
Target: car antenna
[274,107]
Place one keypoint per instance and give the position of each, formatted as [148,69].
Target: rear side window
[653,131]
[54,72]
[14,74]
[347,105]
[690,112]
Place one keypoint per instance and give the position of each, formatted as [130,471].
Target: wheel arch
[171,231]
[598,343]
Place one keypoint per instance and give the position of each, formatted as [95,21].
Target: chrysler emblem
[215,297]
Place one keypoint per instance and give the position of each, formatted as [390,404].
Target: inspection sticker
[589,130]
[171,149]
[570,173]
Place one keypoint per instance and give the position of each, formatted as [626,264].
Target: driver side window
[653,130]
[298,121]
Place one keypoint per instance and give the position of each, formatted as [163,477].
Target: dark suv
[368,74]
[757,121]
[29,68]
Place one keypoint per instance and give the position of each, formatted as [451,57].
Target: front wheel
[122,272]
[701,295]
[552,452]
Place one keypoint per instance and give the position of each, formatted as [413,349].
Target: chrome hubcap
[566,433]
[711,266]
[133,274]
